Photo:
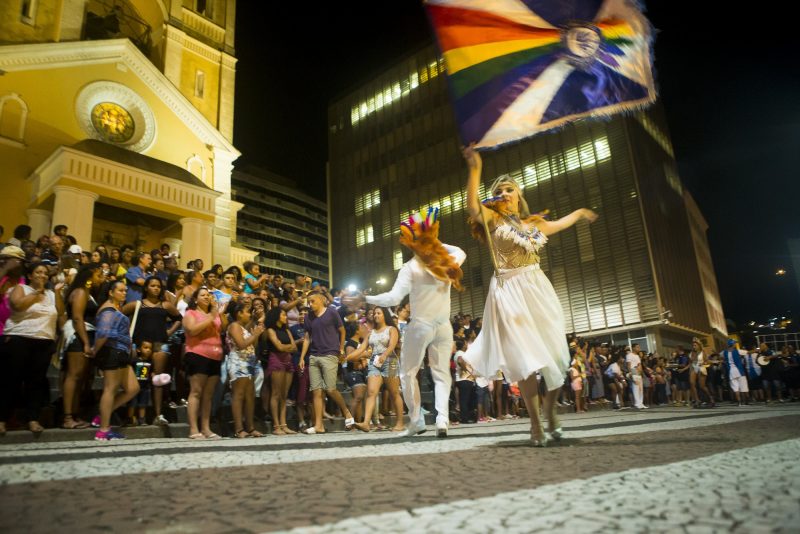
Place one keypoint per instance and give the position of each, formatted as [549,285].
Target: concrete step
[54,435]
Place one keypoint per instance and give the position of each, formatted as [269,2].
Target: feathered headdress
[421,235]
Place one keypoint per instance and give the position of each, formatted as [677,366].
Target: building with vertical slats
[642,273]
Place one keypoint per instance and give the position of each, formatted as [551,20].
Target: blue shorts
[389,369]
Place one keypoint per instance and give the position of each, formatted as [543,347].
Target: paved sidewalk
[349,481]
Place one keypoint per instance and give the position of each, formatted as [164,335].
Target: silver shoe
[539,442]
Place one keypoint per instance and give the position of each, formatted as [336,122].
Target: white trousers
[638,390]
[437,340]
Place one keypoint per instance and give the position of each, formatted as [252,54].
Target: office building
[642,273]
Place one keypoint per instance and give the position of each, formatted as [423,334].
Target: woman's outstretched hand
[589,215]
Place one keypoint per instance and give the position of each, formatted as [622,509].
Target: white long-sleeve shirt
[429,296]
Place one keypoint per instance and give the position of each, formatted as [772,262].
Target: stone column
[227,89]
[75,208]
[198,241]
[40,222]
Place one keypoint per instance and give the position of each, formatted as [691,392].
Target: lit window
[28,12]
[364,236]
[394,91]
[398,259]
[602,149]
[367,201]
[199,84]
[587,155]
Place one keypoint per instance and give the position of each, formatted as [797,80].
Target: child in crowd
[142,368]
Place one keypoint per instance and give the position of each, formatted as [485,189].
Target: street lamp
[780,272]
[380,281]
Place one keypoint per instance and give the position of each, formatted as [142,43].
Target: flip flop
[213,436]
[349,422]
[197,436]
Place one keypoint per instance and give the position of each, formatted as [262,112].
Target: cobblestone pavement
[669,469]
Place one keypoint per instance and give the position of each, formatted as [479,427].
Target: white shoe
[413,429]
[441,429]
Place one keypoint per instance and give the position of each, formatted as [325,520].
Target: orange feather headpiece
[421,235]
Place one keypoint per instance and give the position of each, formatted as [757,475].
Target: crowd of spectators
[160,336]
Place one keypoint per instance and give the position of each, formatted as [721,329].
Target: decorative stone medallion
[114,113]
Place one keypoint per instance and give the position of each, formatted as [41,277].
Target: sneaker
[413,429]
[107,436]
[96,421]
[160,420]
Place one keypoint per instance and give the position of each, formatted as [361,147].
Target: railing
[110,19]
[203,26]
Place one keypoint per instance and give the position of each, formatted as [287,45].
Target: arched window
[196,166]
[13,117]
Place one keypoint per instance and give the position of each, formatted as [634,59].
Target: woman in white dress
[523,323]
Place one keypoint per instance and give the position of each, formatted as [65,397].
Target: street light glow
[780,272]
[352,287]
[380,281]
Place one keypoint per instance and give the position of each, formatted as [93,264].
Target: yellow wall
[13,30]
[124,234]
[190,64]
[50,95]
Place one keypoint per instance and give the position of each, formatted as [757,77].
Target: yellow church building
[116,119]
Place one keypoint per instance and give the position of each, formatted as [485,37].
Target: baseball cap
[731,342]
[75,249]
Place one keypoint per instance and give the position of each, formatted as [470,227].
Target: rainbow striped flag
[520,67]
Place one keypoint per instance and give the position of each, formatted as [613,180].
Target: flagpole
[490,243]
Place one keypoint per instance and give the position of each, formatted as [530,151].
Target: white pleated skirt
[523,330]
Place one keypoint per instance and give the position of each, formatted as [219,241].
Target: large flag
[520,67]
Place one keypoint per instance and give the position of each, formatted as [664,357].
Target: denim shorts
[241,366]
[355,378]
[389,369]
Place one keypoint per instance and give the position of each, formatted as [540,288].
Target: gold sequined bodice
[516,246]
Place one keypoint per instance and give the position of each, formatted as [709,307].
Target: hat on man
[11,251]
[75,249]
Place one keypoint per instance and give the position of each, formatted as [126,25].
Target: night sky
[729,82]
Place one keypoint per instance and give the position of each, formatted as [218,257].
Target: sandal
[253,433]
[364,427]
[212,436]
[199,435]
[241,434]
[287,430]
[70,423]
[35,427]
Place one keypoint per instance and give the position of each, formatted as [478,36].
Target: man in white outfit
[635,369]
[427,279]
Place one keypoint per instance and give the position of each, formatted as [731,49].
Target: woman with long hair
[203,324]
[243,368]
[81,307]
[156,321]
[280,367]
[27,344]
[112,354]
[698,377]
[383,366]
[523,323]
